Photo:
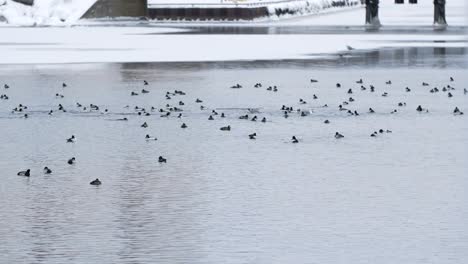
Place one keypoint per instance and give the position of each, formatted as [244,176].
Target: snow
[145,44]
[44,12]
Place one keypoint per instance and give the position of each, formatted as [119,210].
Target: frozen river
[221,197]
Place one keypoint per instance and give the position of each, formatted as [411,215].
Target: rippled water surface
[222,198]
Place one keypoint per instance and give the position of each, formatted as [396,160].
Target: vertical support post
[439,15]
[372,15]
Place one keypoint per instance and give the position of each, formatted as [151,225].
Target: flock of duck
[170,110]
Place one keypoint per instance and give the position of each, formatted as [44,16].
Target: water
[222,198]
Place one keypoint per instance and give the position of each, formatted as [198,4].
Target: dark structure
[372,14]
[25,2]
[439,13]
[203,14]
[118,8]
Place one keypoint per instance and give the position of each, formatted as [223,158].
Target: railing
[225,4]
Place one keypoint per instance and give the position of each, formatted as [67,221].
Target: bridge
[373,21]
[250,11]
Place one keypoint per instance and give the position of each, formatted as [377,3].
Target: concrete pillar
[372,14]
[439,14]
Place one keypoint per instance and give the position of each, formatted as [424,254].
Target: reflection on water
[438,57]
[223,198]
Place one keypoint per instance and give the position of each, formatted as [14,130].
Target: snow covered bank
[43,12]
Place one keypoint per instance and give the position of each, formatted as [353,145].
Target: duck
[451,79]
[181,103]
[222,115]
[374,134]
[47,170]
[180,115]
[144,91]
[6,86]
[244,117]
[360,81]
[264,120]
[419,108]
[144,125]
[425,84]
[71,161]
[133,93]
[326,121]
[252,136]
[162,160]
[450,95]
[457,111]
[64,85]
[149,138]
[25,173]
[371,110]
[385,94]
[338,135]
[237,86]
[301,101]
[350,91]
[183,125]
[338,85]
[225,128]
[122,119]
[254,118]
[408,89]
[145,82]
[210,118]
[294,140]
[315,97]
[96,182]
[388,82]
[198,101]
[313,81]
[372,89]
[465,91]
[72,139]
[275,89]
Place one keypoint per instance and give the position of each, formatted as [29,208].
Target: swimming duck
[198,101]
[162,160]
[145,82]
[237,86]
[180,115]
[338,135]
[457,111]
[64,85]
[47,170]
[372,89]
[313,81]
[350,91]
[144,125]
[252,136]
[374,134]
[451,79]
[226,128]
[133,93]
[315,97]
[294,140]
[25,173]
[419,108]
[71,161]
[254,118]
[210,118]
[222,115]
[6,86]
[338,85]
[301,101]
[149,138]
[450,95]
[388,82]
[465,91]
[264,119]
[184,125]
[360,81]
[408,89]
[371,110]
[181,103]
[96,182]
[72,139]
[244,117]
[144,91]
[326,122]
[425,84]
[385,94]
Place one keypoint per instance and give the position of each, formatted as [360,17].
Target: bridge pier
[440,22]
[372,15]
